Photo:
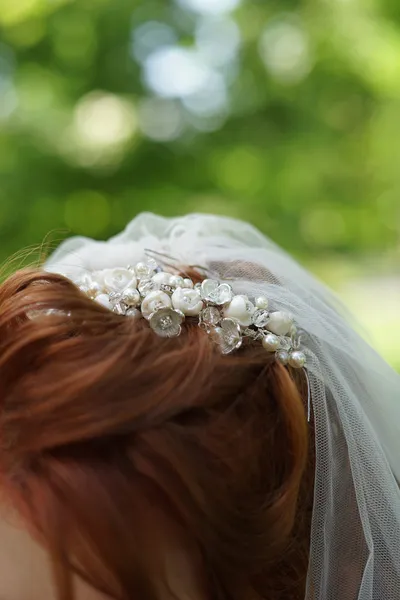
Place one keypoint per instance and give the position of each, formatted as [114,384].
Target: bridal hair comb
[165,300]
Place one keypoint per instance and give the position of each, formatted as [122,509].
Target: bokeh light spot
[217,40]
[149,37]
[210,6]
[102,120]
[160,119]
[175,72]
[27,33]
[15,11]
[285,50]
[8,98]
[210,100]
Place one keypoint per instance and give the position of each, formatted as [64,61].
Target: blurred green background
[284,113]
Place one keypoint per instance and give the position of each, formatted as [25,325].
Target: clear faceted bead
[145,269]
[211,315]
[261,318]
[146,286]
[285,343]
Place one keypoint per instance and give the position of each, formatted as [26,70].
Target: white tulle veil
[355,537]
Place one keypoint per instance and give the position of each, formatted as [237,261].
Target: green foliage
[297,130]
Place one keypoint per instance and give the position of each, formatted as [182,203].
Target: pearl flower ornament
[117,280]
[241,309]
[166,300]
[188,301]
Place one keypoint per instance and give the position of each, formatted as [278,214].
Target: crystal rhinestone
[145,269]
[271,342]
[146,286]
[262,302]
[119,309]
[197,286]
[261,318]
[151,263]
[166,322]
[168,289]
[210,315]
[285,343]
[297,359]
[282,356]
[251,333]
[216,293]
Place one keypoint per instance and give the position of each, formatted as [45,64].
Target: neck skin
[26,574]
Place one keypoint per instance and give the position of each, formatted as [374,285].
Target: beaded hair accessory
[166,300]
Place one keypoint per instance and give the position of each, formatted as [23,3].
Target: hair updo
[99,418]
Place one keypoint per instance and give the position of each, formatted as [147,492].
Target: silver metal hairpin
[173,263]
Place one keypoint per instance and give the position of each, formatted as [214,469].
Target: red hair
[99,418]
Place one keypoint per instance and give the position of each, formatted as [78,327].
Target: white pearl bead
[134,313]
[280,323]
[241,309]
[188,283]
[104,300]
[297,359]
[283,357]
[154,301]
[188,301]
[131,297]
[117,280]
[162,278]
[271,342]
[262,302]
[176,281]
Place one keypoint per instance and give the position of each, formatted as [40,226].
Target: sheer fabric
[355,537]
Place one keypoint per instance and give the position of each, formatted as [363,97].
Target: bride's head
[145,467]
[139,465]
